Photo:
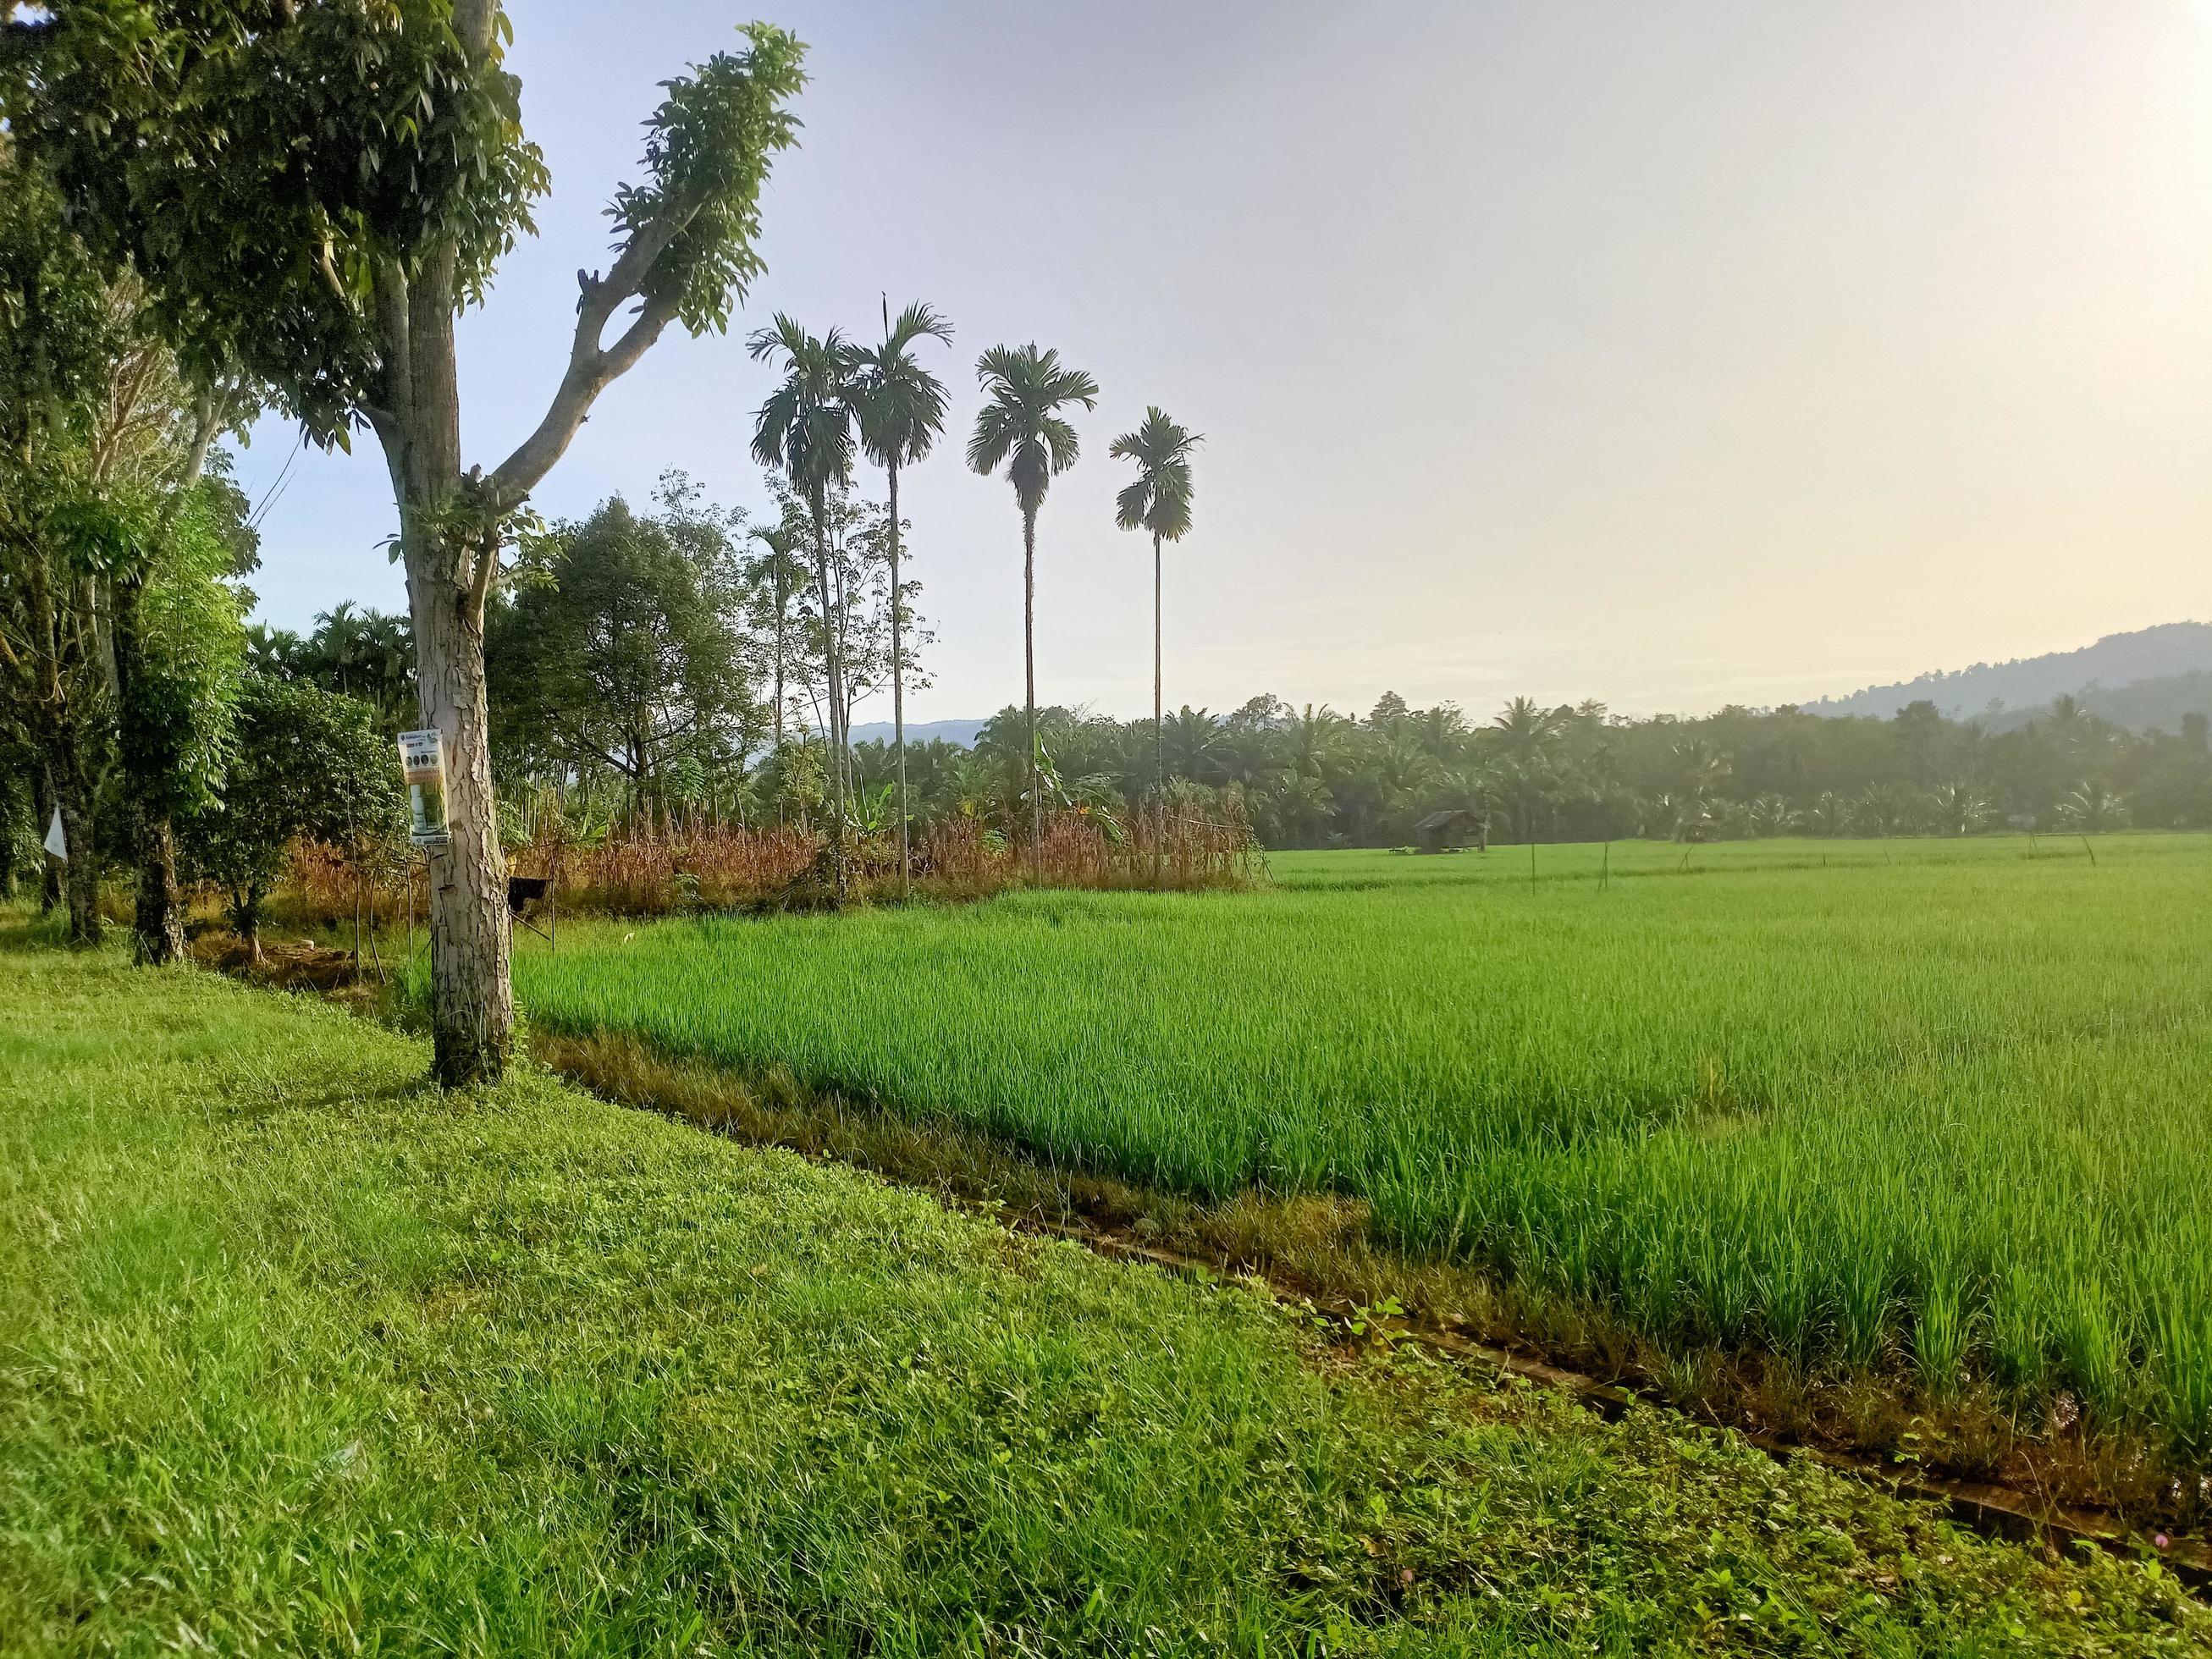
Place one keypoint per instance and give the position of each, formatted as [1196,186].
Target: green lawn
[295,1358]
[1930,1107]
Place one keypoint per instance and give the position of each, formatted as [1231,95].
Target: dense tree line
[1308,776]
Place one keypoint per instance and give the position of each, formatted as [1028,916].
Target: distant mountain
[2167,654]
[2150,677]
[961,734]
[2146,706]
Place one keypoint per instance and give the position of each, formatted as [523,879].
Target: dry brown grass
[684,864]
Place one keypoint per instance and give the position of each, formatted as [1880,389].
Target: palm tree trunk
[840,717]
[899,689]
[782,603]
[1159,729]
[833,673]
[1029,686]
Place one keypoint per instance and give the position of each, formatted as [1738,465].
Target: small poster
[423,764]
[57,843]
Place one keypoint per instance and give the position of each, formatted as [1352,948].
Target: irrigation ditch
[1309,1253]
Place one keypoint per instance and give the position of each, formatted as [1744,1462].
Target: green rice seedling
[1934,1102]
[1785,1290]
[2092,1351]
[1863,1279]
[2019,1330]
[2182,1338]
[1939,1336]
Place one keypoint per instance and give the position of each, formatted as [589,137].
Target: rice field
[1941,1106]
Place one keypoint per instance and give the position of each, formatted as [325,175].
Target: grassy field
[1938,1106]
[296,1357]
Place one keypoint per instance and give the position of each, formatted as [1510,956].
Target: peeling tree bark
[472,1006]
[451,526]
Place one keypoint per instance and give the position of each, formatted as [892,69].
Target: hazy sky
[1671,355]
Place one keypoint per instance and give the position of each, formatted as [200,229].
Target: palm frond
[1061,442]
[1019,426]
[993,437]
[1133,505]
[1162,450]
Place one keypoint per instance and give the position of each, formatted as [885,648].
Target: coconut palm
[900,408]
[1158,502]
[1960,808]
[804,430]
[1020,428]
[1320,740]
[1770,815]
[1526,728]
[2091,807]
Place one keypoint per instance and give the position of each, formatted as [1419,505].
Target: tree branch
[208,416]
[473,22]
[590,368]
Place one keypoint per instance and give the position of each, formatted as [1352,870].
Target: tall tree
[177,621]
[901,406]
[627,659]
[1020,428]
[771,572]
[58,342]
[374,170]
[804,430]
[161,540]
[1159,501]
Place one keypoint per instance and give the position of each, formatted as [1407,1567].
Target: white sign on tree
[57,843]
[422,763]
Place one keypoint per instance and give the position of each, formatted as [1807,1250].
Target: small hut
[1452,831]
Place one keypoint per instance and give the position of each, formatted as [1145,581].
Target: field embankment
[1930,1111]
[298,1358]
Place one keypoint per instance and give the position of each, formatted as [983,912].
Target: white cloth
[57,843]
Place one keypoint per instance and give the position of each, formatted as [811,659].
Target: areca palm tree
[782,541]
[900,408]
[1020,428]
[1159,501]
[804,430]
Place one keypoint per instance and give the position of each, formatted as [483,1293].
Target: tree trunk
[841,713]
[782,600]
[245,920]
[833,670]
[1159,728]
[472,1004]
[898,689]
[80,876]
[471,1001]
[1028,688]
[42,814]
[149,763]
